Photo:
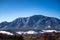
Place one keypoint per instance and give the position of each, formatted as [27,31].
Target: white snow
[27,32]
[49,30]
[20,32]
[8,33]
[31,32]
[49,26]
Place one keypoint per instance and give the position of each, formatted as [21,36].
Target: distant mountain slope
[36,22]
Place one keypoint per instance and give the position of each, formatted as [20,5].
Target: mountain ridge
[33,22]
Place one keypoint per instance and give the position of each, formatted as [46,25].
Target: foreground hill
[44,36]
[36,22]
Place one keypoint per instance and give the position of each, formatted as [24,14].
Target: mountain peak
[35,22]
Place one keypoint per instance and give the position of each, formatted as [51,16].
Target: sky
[12,9]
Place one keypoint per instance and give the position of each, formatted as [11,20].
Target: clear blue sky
[12,9]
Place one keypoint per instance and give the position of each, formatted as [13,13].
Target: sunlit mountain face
[35,22]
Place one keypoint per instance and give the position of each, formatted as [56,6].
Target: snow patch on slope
[8,33]
[49,30]
[20,32]
[31,32]
[27,32]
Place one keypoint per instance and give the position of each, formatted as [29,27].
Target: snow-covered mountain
[35,22]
